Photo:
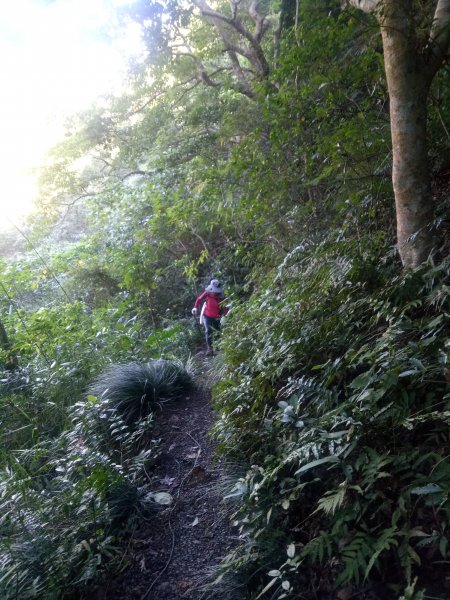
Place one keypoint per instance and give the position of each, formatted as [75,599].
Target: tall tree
[411,61]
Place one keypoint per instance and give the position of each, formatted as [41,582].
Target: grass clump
[133,390]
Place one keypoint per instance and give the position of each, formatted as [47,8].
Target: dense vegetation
[270,169]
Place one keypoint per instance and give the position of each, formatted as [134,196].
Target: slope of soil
[172,554]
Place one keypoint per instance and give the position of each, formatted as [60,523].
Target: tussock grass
[134,389]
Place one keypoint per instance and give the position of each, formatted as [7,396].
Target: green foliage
[64,501]
[334,368]
[72,477]
[337,395]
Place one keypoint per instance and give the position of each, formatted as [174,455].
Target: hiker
[212,311]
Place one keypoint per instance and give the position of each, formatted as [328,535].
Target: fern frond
[332,500]
[384,542]
[318,548]
[354,557]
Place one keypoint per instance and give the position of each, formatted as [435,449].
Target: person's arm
[223,308]
[198,302]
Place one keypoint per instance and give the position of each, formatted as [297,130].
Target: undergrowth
[65,501]
[336,393]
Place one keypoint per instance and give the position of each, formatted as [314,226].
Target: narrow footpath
[173,554]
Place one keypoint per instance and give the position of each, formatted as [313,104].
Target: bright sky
[55,59]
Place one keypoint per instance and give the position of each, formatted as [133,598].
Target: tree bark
[408,91]
[409,72]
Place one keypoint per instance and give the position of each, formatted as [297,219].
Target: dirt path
[173,553]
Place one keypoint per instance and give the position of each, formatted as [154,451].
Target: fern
[383,543]
[339,400]
[408,558]
[319,548]
[354,557]
[332,500]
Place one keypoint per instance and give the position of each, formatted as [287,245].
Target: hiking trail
[173,553]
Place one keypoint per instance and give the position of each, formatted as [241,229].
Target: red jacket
[213,308]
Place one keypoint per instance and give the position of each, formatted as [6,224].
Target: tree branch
[260,22]
[439,42]
[253,53]
[367,6]
[202,72]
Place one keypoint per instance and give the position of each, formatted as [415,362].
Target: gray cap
[215,286]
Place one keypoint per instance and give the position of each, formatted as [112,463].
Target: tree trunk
[410,68]
[5,345]
[408,87]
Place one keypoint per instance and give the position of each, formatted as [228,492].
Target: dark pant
[211,326]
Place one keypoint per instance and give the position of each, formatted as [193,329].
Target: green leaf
[317,463]
[409,372]
[361,381]
[424,490]
[269,585]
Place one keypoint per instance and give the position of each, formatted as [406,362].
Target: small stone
[184,584]
[198,473]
